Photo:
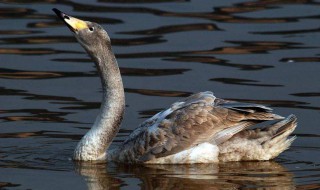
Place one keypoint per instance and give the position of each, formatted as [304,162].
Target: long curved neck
[94,145]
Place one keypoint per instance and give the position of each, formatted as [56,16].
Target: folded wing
[197,119]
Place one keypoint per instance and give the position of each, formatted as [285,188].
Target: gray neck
[94,144]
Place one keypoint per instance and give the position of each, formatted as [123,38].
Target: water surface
[254,51]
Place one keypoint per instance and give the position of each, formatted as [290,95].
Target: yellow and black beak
[74,24]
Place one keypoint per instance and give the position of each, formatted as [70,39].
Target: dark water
[255,51]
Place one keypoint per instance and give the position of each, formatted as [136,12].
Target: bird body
[205,129]
[198,129]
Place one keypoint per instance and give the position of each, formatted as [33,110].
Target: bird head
[89,34]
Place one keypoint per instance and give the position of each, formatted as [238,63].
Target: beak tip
[73,24]
[58,12]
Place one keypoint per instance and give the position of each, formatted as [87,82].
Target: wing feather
[197,119]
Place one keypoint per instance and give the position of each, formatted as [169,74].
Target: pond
[264,52]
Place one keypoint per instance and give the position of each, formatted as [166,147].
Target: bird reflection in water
[230,175]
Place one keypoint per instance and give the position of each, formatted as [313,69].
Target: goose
[198,129]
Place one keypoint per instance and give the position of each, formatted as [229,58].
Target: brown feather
[192,121]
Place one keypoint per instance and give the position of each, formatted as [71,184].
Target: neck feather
[94,145]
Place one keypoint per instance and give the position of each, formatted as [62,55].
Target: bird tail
[280,131]
[260,143]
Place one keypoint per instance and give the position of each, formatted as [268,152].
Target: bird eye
[91,29]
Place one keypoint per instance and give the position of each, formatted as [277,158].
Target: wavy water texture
[262,51]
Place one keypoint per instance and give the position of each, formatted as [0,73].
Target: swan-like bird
[198,129]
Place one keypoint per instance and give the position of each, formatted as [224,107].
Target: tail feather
[257,144]
[287,125]
[279,142]
[281,129]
